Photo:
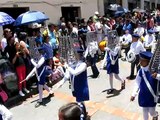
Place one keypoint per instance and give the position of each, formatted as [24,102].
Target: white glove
[107,49]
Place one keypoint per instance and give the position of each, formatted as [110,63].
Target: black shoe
[38,104]
[130,77]
[95,76]
[123,85]
[50,95]
[155,118]
[110,91]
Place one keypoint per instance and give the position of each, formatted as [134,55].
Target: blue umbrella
[30,17]
[5,19]
[121,10]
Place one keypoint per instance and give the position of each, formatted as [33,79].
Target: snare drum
[131,57]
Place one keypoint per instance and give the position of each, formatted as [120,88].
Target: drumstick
[29,75]
[127,106]
[59,84]
[22,81]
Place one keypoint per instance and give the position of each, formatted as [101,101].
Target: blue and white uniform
[145,98]
[146,86]
[113,66]
[113,56]
[42,71]
[79,83]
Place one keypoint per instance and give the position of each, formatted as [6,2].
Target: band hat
[150,31]
[135,35]
[145,55]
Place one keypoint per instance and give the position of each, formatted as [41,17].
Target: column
[100,5]
[142,4]
[156,2]
[125,3]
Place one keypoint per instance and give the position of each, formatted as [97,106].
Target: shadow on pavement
[115,93]
[45,100]
[105,90]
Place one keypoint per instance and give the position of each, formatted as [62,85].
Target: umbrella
[138,10]
[5,19]
[121,10]
[30,17]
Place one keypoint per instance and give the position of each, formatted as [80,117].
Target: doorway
[70,13]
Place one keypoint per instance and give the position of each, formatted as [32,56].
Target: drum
[131,57]
[142,39]
[125,45]
[102,45]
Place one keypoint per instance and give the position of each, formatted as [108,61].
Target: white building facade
[70,9]
[54,9]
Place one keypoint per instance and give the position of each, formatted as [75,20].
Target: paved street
[101,106]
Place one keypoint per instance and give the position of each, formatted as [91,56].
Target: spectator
[20,67]
[51,35]
[10,50]
[96,17]
[6,34]
[128,26]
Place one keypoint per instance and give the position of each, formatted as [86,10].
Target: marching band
[138,49]
[76,68]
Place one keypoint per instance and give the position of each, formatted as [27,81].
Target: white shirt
[106,28]
[126,39]
[149,40]
[137,47]
[139,31]
[80,67]
[113,52]
[6,114]
[156,29]
[88,28]
[91,49]
[75,30]
[98,27]
[3,43]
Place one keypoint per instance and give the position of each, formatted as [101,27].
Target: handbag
[3,95]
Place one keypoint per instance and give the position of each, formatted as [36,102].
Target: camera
[20,53]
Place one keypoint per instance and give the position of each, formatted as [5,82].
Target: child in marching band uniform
[136,47]
[113,67]
[146,85]
[78,75]
[42,69]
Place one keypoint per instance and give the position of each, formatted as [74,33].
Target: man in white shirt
[90,55]
[149,40]
[126,40]
[7,33]
[136,47]
[139,30]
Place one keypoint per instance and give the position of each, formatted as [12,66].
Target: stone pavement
[116,106]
